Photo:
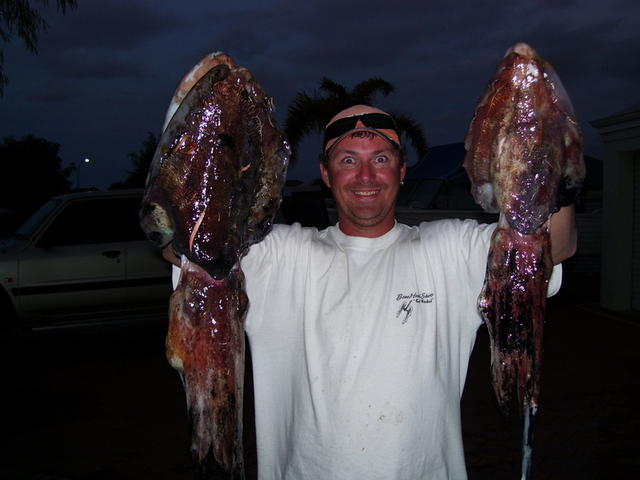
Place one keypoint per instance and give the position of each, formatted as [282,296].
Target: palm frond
[365,91]
[307,114]
[413,132]
[334,89]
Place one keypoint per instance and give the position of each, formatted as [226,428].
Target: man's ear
[324,173]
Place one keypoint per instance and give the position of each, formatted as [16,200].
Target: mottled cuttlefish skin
[213,189]
[513,304]
[191,78]
[219,159]
[523,141]
[205,344]
[524,158]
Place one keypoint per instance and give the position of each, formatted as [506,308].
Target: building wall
[635,246]
[621,135]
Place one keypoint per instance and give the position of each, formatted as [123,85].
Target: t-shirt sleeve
[268,263]
[262,255]
[469,242]
[461,248]
[464,247]
[175,276]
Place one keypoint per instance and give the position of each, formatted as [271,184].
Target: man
[361,333]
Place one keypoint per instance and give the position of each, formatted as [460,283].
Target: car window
[132,230]
[30,227]
[94,221]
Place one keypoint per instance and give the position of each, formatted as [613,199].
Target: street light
[76,167]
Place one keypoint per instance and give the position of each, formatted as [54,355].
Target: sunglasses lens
[378,120]
[339,127]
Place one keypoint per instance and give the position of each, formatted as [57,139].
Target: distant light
[87,160]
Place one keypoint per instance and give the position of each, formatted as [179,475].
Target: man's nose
[365,172]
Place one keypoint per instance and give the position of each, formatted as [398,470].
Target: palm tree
[141,161]
[310,113]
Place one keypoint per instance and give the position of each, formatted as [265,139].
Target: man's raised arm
[564,237]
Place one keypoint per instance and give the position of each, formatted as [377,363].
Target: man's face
[364,174]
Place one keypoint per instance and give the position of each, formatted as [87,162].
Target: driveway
[103,404]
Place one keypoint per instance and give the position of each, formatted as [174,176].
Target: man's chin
[365,219]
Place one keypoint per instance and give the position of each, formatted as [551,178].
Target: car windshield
[29,227]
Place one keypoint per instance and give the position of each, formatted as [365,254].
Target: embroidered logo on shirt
[408,301]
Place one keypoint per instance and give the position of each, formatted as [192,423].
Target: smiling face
[364,172]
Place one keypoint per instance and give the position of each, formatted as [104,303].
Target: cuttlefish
[213,189]
[524,160]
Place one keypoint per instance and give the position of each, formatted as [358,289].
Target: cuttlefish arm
[205,344]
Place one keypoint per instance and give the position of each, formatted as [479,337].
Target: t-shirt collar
[352,241]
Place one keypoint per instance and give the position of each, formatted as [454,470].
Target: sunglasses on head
[377,121]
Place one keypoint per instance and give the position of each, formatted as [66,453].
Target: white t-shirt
[360,349]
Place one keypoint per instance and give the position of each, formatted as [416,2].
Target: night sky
[105,72]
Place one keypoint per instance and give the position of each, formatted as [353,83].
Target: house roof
[629,114]
[442,161]
[445,162]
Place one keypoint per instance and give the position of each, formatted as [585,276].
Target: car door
[76,268]
[148,274]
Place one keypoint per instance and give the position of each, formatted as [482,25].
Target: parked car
[82,257]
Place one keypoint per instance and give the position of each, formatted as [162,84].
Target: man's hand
[564,237]
[170,255]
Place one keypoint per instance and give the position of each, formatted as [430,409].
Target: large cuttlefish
[213,189]
[524,159]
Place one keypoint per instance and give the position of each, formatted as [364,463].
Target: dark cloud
[52,94]
[80,66]
[114,24]
[106,71]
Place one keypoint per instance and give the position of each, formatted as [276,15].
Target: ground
[103,404]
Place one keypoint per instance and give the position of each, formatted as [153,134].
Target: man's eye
[381,159]
[348,160]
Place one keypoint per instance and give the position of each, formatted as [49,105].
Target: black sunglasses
[376,121]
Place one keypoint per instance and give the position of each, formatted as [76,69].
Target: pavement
[103,404]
